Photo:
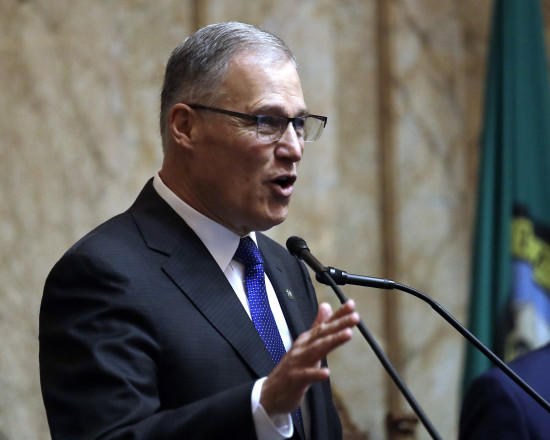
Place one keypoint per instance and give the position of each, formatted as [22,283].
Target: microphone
[298,247]
[341,277]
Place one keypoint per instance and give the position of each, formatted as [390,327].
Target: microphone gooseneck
[298,247]
[341,277]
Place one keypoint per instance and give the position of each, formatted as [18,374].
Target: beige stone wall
[439,56]
[78,138]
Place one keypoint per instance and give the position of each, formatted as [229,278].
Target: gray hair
[197,66]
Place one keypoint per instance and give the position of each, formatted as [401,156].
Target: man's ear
[180,123]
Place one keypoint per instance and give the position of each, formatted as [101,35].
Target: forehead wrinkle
[254,85]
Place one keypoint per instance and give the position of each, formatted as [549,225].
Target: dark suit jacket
[496,408]
[142,336]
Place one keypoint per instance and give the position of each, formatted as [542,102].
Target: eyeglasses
[271,128]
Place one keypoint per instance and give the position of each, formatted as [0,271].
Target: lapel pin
[289,294]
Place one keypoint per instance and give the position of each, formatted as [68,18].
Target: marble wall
[439,53]
[78,138]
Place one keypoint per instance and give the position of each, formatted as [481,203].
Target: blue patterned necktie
[249,255]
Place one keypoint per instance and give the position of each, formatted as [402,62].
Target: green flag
[510,291]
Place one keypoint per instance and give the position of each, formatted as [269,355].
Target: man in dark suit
[496,408]
[167,322]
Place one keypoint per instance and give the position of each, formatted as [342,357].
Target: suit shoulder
[534,363]
[494,386]
[530,366]
[105,243]
[120,230]
[113,232]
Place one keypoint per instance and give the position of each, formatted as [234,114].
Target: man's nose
[290,146]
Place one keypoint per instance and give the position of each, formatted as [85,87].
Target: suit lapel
[193,270]
[198,276]
[282,285]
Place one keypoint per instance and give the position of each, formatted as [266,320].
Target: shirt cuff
[277,427]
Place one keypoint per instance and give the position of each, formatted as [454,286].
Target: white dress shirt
[222,245]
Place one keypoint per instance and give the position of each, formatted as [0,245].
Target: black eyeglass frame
[258,118]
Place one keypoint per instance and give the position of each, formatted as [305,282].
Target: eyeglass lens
[307,128]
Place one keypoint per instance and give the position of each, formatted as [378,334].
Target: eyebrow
[278,110]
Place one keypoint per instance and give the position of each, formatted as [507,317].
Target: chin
[268,222]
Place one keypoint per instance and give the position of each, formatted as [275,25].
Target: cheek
[253,166]
[238,168]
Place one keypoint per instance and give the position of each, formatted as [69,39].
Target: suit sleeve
[99,355]
[490,410]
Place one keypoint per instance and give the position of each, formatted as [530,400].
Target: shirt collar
[220,241]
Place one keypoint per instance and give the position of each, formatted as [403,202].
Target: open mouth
[283,185]
[285,181]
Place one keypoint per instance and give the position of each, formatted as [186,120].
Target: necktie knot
[248,253]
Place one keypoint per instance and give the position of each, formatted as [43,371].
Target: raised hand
[287,384]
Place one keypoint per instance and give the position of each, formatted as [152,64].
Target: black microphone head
[295,245]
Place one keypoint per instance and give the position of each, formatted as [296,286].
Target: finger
[324,329]
[334,326]
[308,376]
[324,313]
[318,348]
[346,308]
[322,347]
